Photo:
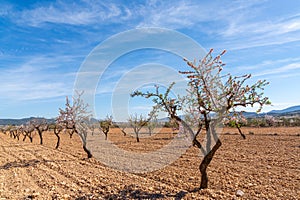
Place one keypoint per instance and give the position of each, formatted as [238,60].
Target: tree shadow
[136,194]
[27,163]
[130,192]
[21,163]
[163,138]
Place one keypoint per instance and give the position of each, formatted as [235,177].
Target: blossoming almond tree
[211,97]
[76,117]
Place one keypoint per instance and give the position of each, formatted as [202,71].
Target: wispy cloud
[38,78]
[241,34]
[238,24]
[267,64]
[231,21]
[264,27]
[76,13]
[289,68]
[44,43]
[168,14]
[189,14]
[5,9]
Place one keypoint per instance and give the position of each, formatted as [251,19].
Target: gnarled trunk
[40,135]
[205,162]
[56,132]
[88,152]
[58,141]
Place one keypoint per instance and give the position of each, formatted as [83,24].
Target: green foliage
[106,124]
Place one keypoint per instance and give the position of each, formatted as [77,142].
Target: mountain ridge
[293,110]
[286,110]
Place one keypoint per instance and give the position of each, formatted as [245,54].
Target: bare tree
[93,126]
[40,126]
[14,132]
[210,98]
[122,127]
[152,122]
[6,129]
[137,123]
[28,130]
[76,117]
[105,125]
[57,129]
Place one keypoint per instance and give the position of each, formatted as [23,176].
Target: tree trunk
[56,132]
[137,137]
[58,141]
[240,131]
[41,136]
[205,162]
[71,134]
[89,154]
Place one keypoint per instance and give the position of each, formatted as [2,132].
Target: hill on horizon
[287,111]
[18,122]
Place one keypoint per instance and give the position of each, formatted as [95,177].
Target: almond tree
[211,97]
[152,123]
[13,132]
[122,126]
[270,120]
[58,128]
[40,126]
[93,126]
[76,117]
[137,123]
[105,125]
[28,130]
[6,128]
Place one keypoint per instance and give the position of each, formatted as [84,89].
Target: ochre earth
[266,165]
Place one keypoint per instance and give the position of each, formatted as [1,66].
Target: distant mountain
[251,114]
[22,121]
[294,110]
[287,110]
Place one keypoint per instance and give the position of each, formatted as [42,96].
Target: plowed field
[266,165]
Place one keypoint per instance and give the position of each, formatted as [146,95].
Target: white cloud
[79,13]
[267,64]
[37,78]
[183,14]
[169,14]
[233,22]
[289,68]
[241,34]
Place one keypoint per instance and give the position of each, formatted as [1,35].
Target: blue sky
[44,43]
